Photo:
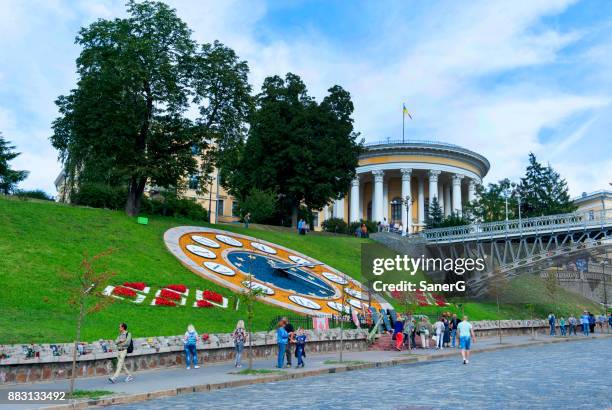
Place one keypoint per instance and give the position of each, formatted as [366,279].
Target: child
[300,342]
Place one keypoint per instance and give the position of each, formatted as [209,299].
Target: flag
[405,111]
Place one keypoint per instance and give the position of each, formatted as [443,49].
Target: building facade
[397,181]
[594,203]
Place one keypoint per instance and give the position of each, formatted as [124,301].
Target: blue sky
[502,78]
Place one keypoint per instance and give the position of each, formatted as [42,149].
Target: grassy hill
[40,239]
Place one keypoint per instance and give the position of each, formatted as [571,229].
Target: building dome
[397,181]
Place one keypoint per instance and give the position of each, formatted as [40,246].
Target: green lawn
[40,239]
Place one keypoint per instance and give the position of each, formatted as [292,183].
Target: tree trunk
[294,215]
[135,191]
[76,344]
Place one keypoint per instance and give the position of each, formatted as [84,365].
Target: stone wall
[96,359]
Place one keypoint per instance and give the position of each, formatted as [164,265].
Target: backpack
[130,348]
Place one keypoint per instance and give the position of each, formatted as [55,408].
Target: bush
[100,196]
[335,225]
[173,206]
[34,194]
[261,205]
[371,225]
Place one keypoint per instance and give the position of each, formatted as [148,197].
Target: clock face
[286,278]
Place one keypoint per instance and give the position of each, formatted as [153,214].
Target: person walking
[125,345]
[300,347]
[584,319]
[239,337]
[247,219]
[290,339]
[572,325]
[454,322]
[439,330]
[610,323]
[466,337]
[591,322]
[190,341]
[562,326]
[551,322]
[398,334]
[281,339]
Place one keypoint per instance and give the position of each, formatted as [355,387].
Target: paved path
[576,375]
[160,380]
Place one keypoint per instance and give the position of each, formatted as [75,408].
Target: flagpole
[403,122]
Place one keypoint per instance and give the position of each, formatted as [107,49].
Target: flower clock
[283,277]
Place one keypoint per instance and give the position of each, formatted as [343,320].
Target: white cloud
[442,60]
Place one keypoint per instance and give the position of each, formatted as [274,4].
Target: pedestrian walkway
[169,382]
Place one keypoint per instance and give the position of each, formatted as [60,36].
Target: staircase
[383,342]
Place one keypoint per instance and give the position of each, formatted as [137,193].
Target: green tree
[303,151]
[543,191]
[435,215]
[9,178]
[124,124]
[490,202]
[260,204]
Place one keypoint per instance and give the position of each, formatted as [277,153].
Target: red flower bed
[168,294]
[423,304]
[204,304]
[178,288]
[164,302]
[212,296]
[439,303]
[124,292]
[135,285]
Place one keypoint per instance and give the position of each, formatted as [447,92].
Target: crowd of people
[409,332]
[588,323]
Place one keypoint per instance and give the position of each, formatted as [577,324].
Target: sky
[502,78]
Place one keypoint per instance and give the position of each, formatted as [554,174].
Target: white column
[433,185]
[447,200]
[471,190]
[406,195]
[354,200]
[457,193]
[421,203]
[339,208]
[361,199]
[377,195]
[441,195]
[386,200]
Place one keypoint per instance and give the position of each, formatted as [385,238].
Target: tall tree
[9,178]
[125,123]
[543,191]
[303,151]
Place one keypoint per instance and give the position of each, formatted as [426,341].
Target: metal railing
[525,226]
[411,141]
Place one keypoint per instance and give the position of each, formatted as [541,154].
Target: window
[220,207]
[591,215]
[396,210]
[193,182]
[315,219]
[369,211]
[235,209]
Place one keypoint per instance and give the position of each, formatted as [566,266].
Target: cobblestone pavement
[576,375]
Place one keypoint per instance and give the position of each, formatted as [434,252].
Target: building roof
[423,147]
[585,197]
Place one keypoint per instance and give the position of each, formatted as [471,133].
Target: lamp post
[604,263]
[518,196]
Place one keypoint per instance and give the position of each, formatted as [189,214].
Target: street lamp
[604,263]
[515,186]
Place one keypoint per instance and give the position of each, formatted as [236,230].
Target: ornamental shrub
[335,225]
